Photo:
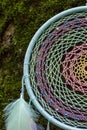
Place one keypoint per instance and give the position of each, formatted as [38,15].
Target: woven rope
[58,70]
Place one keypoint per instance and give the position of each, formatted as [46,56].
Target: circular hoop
[55,69]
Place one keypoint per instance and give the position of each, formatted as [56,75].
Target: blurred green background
[19,20]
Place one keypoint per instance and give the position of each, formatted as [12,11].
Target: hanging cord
[22,89]
[48,126]
[30,102]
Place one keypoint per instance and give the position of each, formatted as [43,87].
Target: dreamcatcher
[55,75]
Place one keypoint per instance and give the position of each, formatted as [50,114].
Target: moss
[26,16]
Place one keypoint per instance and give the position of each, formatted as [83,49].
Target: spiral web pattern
[58,70]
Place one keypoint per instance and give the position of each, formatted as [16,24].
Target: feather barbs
[20,116]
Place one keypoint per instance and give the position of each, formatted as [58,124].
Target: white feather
[20,116]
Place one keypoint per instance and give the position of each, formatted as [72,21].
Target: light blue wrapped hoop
[55,69]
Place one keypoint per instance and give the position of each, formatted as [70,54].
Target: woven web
[58,70]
